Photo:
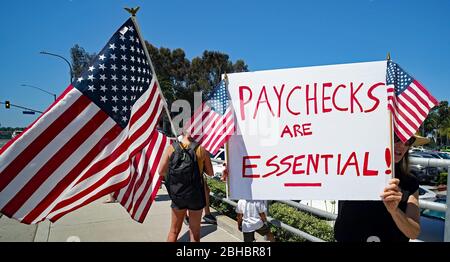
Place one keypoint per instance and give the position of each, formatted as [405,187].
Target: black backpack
[184,182]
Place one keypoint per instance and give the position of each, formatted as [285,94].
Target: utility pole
[62,57]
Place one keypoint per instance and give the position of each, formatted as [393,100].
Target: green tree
[206,71]
[178,77]
[438,123]
[80,59]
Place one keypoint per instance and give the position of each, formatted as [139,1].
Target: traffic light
[7,105]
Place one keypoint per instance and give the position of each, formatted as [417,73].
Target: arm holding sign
[408,221]
[396,219]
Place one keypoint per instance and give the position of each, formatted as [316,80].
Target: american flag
[213,123]
[409,101]
[138,195]
[81,148]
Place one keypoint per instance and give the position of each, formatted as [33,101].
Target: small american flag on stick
[213,123]
[409,101]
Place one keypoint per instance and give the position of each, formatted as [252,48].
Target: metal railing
[327,215]
[320,213]
[277,223]
[330,216]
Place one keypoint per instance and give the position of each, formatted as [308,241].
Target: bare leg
[176,224]
[270,237]
[111,199]
[207,190]
[195,217]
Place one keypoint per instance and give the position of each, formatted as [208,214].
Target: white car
[217,163]
[426,194]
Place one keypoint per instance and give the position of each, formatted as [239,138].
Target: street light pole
[62,57]
[54,95]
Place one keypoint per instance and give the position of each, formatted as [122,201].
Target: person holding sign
[396,218]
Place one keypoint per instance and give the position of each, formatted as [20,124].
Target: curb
[230,226]
[43,231]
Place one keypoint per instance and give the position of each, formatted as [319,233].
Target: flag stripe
[414,97]
[206,126]
[403,99]
[228,129]
[120,149]
[97,169]
[63,184]
[199,128]
[409,120]
[213,123]
[103,191]
[53,163]
[403,106]
[194,120]
[400,134]
[431,100]
[146,128]
[41,158]
[15,166]
[140,173]
[28,129]
[141,193]
[216,132]
[140,112]
[116,170]
[198,121]
[26,137]
[144,173]
[403,126]
[211,132]
[80,170]
[125,194]
[136,197]
[148,204]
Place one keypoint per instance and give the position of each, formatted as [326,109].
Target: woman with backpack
[183,165]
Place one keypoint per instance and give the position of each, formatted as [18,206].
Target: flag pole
[225,77]
[133,12]
[388,58]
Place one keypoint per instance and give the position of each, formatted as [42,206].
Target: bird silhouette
[132,11]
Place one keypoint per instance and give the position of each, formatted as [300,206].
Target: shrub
[219,189]
[443,179]
[286,214]
[303,221]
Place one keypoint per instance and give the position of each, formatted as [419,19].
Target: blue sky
[266,34]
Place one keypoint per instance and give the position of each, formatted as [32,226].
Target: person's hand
[225,172]
[392,195]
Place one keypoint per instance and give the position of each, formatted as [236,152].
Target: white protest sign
[318,132]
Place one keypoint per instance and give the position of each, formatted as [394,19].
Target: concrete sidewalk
[108,222]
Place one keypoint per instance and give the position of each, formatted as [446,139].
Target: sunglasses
[408,143]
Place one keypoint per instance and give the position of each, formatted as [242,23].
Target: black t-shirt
[369,221]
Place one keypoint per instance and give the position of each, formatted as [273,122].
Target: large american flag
[81,148]
[213,123]
[138,196]
[409,101]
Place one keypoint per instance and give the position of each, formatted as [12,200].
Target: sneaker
[186,220]
[210,219]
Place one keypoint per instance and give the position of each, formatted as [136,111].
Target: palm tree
[444,130]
